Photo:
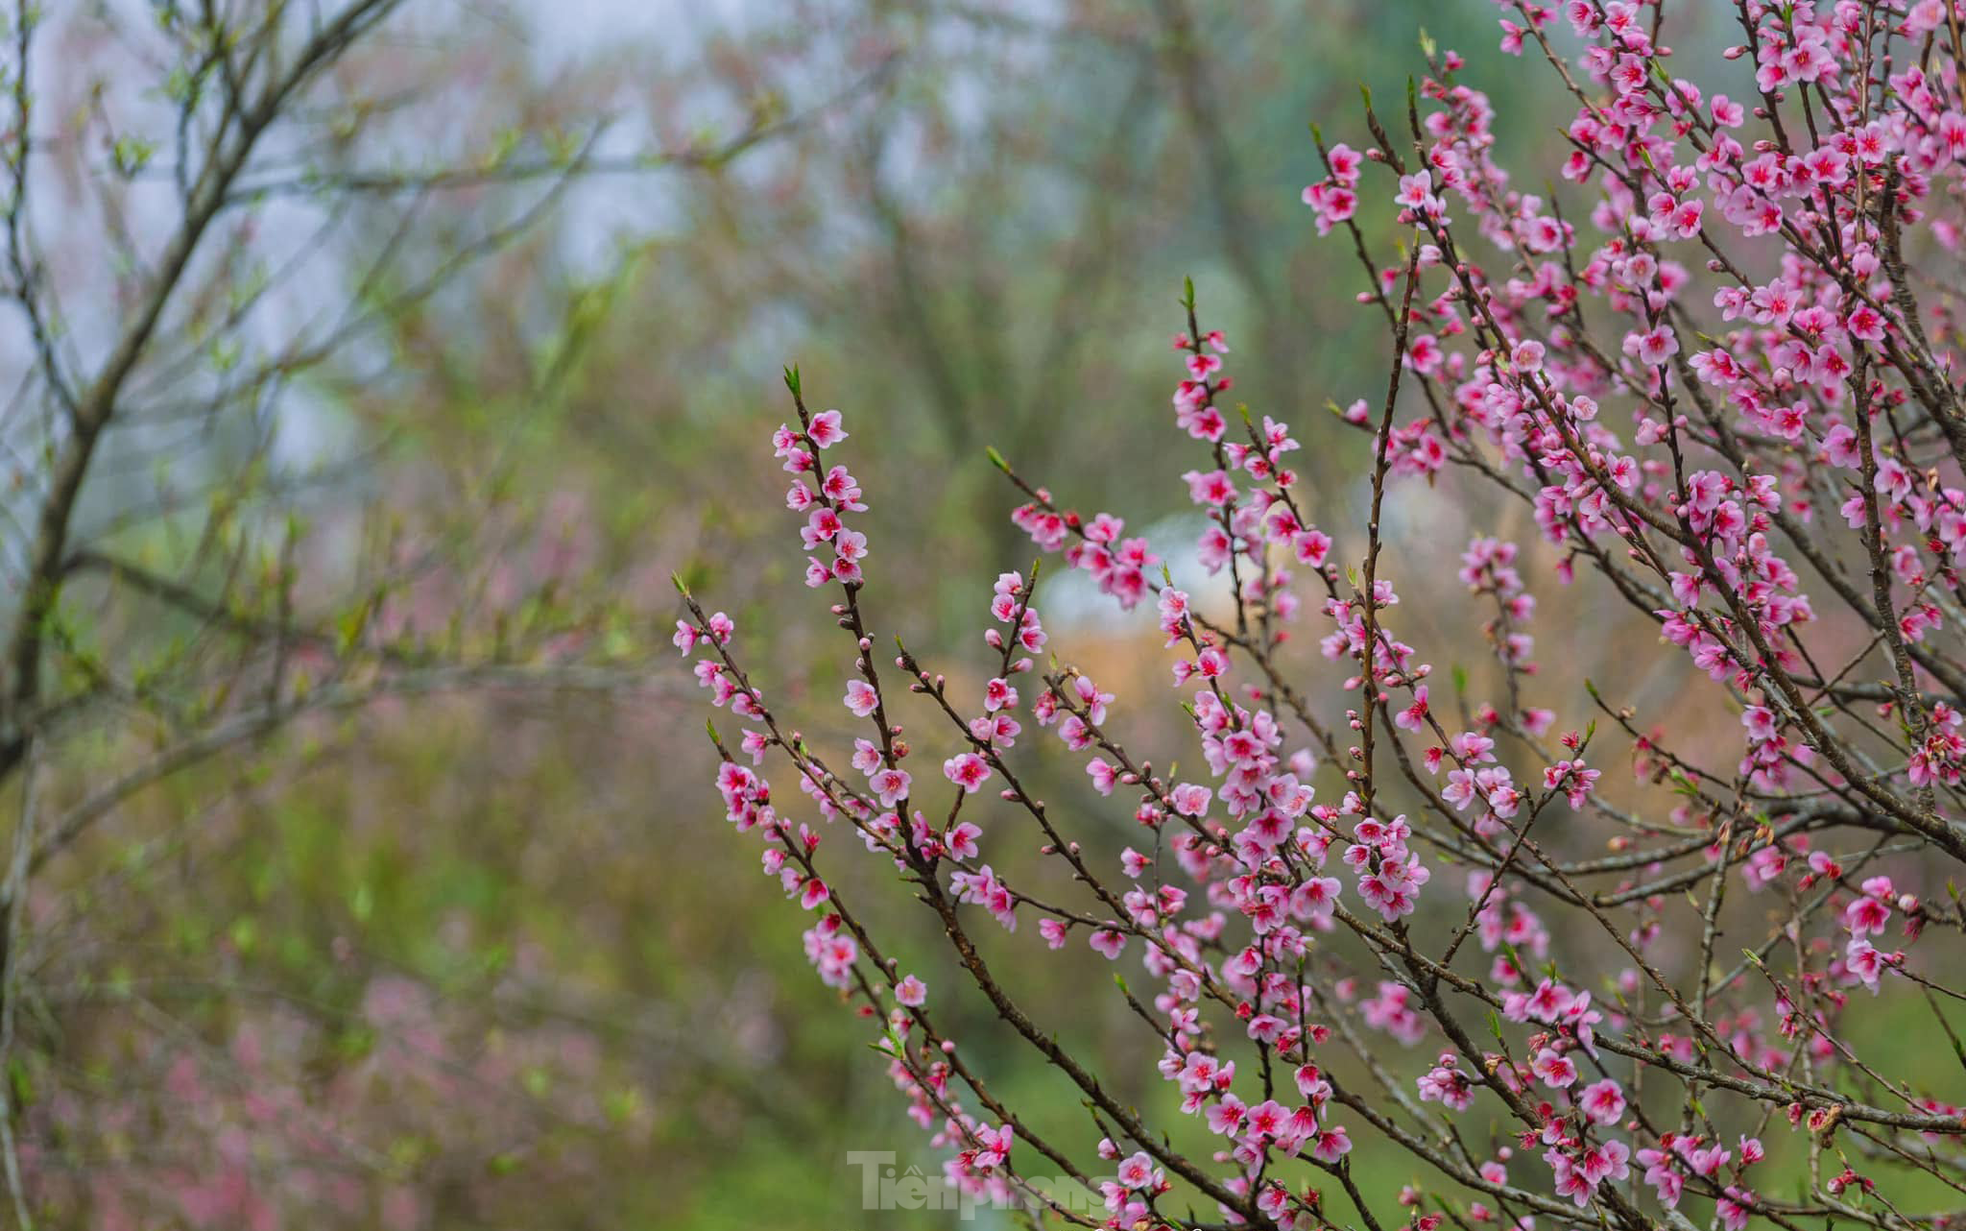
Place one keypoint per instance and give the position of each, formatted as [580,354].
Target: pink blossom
[825,429]
[1602,1101]
[966,770]
[861,698]
[1107,942]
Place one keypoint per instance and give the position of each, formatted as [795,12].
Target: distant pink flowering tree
[1728,396]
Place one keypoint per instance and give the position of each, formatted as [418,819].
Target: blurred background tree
[375,364]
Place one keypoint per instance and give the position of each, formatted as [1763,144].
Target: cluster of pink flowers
[1775,482]
[822,500]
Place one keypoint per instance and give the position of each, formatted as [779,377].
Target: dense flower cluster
[1775,480]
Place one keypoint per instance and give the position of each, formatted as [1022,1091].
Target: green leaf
[130,155]
[622,1105]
